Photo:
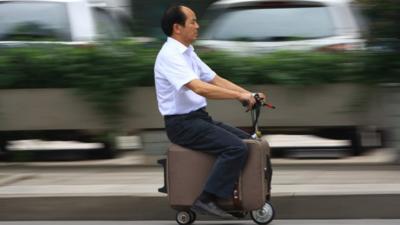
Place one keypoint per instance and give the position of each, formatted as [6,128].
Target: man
[183,82]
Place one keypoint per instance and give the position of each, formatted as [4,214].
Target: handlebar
[255,113]
[262,102]
[259,102]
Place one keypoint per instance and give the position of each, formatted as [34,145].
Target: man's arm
[216,92]
[221,82]
[224,83]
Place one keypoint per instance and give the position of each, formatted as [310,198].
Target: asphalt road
[275,222]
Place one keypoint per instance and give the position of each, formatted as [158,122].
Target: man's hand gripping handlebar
[255,113]
[259,101]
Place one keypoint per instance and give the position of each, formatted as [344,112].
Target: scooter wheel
[263,215]
[185,217]
[192,216]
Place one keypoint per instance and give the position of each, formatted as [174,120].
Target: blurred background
[80,131]
[76,77]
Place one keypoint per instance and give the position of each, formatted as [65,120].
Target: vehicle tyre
[192,216]
[107,152]
[263,215]
[3,149]
[356,145]
[185,217]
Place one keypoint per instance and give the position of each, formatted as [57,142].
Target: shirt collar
[181,47]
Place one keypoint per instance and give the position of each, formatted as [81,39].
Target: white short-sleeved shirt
[177,65]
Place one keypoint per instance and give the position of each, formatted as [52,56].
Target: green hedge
[305,68]
[104,72]
[100,66]
[121,65]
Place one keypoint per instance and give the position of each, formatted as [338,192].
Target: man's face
[189,32]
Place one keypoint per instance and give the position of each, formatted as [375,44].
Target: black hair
[172,15]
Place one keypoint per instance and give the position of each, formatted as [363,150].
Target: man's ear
[176,28]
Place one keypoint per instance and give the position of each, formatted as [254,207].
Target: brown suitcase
[187,171]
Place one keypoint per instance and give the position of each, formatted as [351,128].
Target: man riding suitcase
[183,82]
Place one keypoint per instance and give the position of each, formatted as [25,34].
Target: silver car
[258,26]
[57,21]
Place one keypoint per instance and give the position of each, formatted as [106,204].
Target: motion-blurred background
[77,76]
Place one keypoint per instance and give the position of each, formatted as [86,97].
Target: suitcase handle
[163,162]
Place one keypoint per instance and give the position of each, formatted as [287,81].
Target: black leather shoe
[210,208]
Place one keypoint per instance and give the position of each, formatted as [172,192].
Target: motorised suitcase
[186,172]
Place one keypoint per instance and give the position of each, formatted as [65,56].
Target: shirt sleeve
[206,73]
[176,70]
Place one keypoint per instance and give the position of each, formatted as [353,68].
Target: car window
[107,27]
[271,24]
[27,21]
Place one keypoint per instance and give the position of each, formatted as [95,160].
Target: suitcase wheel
[186,217]
[263,215]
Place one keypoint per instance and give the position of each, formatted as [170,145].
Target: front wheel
[263,215]
[185,217]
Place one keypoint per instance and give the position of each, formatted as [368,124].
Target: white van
[257,26]
[63,21]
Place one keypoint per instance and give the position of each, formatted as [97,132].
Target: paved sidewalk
[126,188]
[298,180]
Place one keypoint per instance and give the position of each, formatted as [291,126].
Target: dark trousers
[197,131]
